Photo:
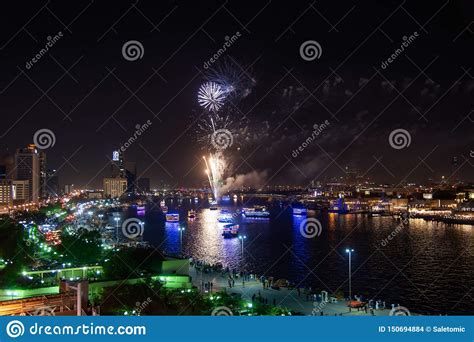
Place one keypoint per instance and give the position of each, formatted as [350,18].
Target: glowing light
[215,167]
[211,96]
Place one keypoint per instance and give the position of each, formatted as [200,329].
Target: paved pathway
[283,297]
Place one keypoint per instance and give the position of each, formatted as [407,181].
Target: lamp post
[242,238]
[181,230]
[349,251]
[117,219]
[100,219]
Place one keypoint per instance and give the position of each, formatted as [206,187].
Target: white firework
[211,96]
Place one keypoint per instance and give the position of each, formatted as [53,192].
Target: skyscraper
[115,187]
[30,165]
[52,183]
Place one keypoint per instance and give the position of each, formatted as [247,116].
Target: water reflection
[426,266]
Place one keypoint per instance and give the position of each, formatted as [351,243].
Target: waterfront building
[115,186]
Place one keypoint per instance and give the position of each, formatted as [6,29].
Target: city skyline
[224,158]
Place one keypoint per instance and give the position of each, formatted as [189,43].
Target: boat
[225,218]
[191,214]
[141,210]
[300,211]
[213,208]
[338,206]
[256,212]
[230,230]
[172,217]
[225,198]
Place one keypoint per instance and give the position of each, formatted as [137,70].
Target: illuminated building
[115,186]
[68,188]
[6,192]
[21,191]
[52,183]
[31,166]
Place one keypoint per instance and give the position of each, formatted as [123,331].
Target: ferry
[191,214]
[172,217]
[256,212]
[230,230]
[300,211]
[225,218]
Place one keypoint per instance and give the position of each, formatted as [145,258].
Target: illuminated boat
[172,217]
[140,210]
[225,198]
[230,230]
[225,218]
[256,212]
[300,211]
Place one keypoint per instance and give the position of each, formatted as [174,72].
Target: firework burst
[236,79]
[215,168]
[211,96]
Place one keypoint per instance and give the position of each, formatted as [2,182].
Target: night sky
[91,97]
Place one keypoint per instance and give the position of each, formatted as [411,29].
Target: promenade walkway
[283,297]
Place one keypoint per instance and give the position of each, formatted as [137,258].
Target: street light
[117,219]
[100,220]
[350,251]
[181,230]
[242,238]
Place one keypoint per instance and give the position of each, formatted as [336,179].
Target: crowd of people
[268,282]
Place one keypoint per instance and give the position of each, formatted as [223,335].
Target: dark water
[427,267]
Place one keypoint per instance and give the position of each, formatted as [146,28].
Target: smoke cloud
[253,179]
